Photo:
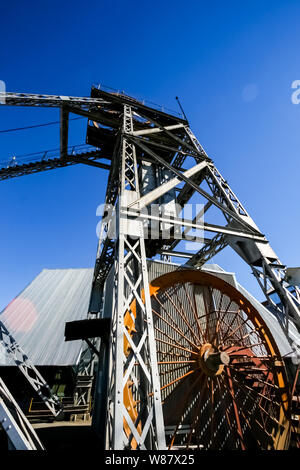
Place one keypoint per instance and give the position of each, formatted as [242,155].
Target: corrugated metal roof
[36,317]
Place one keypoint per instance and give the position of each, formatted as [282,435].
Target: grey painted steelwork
[20,433]
[52,284]
[44,161]
[130,133]
[29,370]
[266,266]
[131,280]
[29,321]
[158,268]
[37,316]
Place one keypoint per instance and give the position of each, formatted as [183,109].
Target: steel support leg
[137,364]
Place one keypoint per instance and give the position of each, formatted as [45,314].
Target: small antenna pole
[184,115]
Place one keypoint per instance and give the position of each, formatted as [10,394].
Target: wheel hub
[211,360]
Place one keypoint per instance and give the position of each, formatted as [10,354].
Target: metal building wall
[36,317]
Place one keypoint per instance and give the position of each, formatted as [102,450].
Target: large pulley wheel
[223,381]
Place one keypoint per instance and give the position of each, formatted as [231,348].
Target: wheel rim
[223,381]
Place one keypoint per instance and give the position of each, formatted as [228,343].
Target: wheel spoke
[175,328]
[183,407]
[217,369]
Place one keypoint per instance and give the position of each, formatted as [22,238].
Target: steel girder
[208,251]
[52,101]
[90,108]
[21,167]
[166,141]
[30,372]
[265,264]
[20,433]
[139,365]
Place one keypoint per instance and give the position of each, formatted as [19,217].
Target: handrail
[159,107]
[44,155]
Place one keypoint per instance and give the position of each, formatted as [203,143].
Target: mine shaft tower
[153,157]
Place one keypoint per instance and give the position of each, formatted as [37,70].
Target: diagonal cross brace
[164,188]
[214,201]
[29,371]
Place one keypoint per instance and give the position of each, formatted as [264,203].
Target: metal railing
[148,103]
[44,155]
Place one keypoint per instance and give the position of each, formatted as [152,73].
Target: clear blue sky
[232,65]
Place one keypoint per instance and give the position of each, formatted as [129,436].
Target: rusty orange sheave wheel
[223,381]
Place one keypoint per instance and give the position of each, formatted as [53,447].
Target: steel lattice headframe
[138,141]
